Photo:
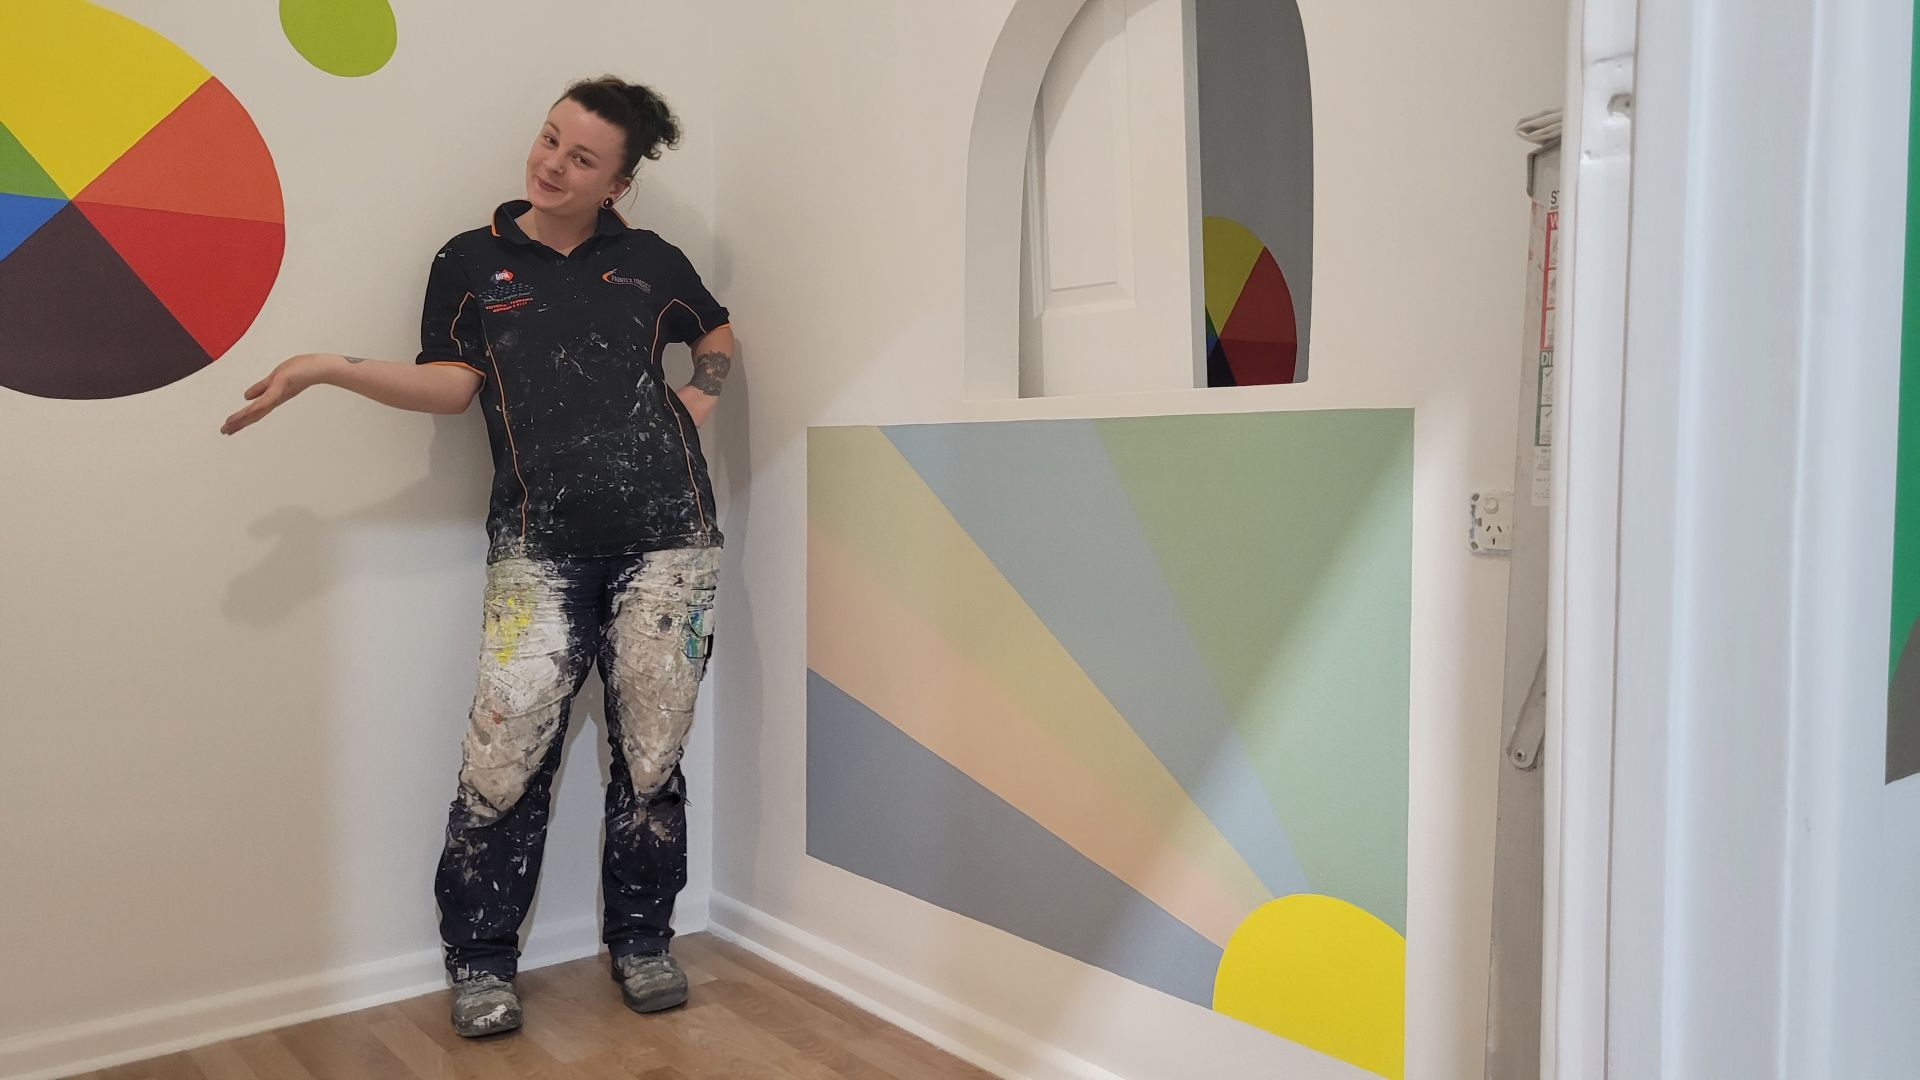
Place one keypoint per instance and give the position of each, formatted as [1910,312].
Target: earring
[608,203]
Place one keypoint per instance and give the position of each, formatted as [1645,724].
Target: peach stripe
[885,657]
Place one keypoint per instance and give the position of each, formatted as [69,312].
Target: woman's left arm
[712,359]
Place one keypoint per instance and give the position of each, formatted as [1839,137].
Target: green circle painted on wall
[349,38]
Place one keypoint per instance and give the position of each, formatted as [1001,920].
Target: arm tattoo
[356,359]
[709,368]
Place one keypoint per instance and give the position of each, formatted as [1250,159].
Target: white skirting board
[99,1044]
[959,1029]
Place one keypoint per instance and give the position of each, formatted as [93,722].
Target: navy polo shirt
[593,453]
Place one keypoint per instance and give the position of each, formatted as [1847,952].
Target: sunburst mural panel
[1148,677]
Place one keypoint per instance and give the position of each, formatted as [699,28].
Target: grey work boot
[485,1004]
[650,983]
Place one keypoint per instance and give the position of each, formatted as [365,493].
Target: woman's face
[575,162]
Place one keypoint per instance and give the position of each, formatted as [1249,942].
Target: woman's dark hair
[650,126]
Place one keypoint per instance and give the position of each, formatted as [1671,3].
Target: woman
[603,545]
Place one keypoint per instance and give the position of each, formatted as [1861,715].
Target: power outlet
[1491,530]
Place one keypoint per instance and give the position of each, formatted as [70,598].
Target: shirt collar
[506,224]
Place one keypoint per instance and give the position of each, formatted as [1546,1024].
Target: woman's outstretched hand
[289,378]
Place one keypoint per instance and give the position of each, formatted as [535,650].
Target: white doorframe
[1718,656]
[1585,525]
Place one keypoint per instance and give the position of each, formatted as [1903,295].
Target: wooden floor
[745,1019]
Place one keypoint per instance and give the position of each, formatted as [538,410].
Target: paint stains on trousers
[646,621]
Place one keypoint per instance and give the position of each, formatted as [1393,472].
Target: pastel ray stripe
[1303,613]
[881,806]
[886,658]
[864,494]
[1031,494]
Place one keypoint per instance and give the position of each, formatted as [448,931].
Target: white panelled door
[1110,235]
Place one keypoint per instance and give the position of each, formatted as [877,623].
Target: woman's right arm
[431,388]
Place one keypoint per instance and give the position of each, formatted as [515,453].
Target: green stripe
[1286,539]
[20,174]
[1906,530]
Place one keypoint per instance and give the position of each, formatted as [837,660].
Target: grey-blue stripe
[882,806]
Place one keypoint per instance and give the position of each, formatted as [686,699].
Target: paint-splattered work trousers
[647,620]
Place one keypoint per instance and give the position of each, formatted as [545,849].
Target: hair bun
[637,110]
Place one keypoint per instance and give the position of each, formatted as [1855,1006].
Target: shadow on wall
[368,560]
[301,564]
[364,566]
[379,710]
[736,683]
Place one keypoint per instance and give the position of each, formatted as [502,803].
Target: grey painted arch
[1256,135]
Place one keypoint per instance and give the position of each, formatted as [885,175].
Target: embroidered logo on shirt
[613,277]
[505,294]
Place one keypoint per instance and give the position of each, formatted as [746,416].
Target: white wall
[234,673]
[842,194]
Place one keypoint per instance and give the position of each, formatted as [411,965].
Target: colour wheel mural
[1252,339]
[141,225]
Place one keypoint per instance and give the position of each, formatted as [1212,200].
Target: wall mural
[141,226]
[1135,690]
[1252,338]
[1256,189]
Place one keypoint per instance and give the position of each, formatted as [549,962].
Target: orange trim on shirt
[453,333]
[512,450]
[454,363]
